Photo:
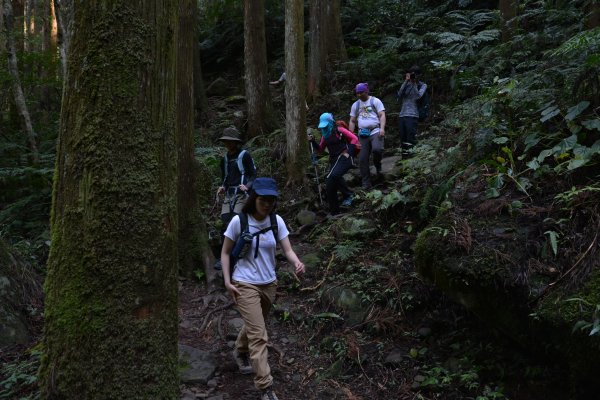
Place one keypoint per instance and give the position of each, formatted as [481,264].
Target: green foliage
[20,378]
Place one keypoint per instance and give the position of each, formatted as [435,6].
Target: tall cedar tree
[295,99]
[191,224]
[260,115]
[111,287]
[326,43]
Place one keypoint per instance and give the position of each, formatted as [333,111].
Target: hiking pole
[313,159]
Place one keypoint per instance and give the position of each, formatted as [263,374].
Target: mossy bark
[111,287]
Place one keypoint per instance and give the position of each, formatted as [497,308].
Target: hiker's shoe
[347,201]
[242,361]
[268,394]
[218,266]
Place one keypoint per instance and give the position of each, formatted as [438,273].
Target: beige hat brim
[231,138]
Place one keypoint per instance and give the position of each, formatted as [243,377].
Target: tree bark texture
[317,55]
[295,99]
[260,116]
[17,88]
[111,288]
[200,99]
[63,10]
[326,43]
[593,17]
[192,241]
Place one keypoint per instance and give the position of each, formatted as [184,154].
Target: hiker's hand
[300,269]
[233,292]
[346,155]
[407,76]
[381,132]
[220,190]
[311,138]
[244,188]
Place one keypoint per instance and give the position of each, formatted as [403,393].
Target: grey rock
[234,326]
[197,366]
[424,332]
[306,217]
[394,358]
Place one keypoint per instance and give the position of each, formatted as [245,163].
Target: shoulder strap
[244,227]
[240,164]
[225,162]
[274,226]
[356,109]
[372,104]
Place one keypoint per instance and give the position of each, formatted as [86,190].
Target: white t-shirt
[259,270]
[368,118]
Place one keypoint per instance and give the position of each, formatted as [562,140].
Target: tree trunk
[260,116]
[192,240]
[295,100]
[200,99]
[17,89]
[317,55]
[593,17]
[508,11]
[63,10]
[336,49]
[111,288]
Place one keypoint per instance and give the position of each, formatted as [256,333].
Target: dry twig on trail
[211,312]
[318,285]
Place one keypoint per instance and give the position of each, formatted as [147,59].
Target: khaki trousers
[254,304]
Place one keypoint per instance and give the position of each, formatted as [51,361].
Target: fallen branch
[318,285]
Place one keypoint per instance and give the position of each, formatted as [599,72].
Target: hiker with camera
[368,113]
[238,173]
[248,257]
[411,91]
[341,145]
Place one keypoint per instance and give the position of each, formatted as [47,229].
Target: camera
[413,75]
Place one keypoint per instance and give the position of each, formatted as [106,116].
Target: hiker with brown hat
[238,173]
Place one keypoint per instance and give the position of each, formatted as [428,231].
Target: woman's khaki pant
[254,303]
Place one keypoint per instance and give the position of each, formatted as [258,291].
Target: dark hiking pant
[335,181]
[408,134]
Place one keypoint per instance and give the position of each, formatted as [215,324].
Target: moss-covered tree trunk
[111,286]
[260,115]
[295,109]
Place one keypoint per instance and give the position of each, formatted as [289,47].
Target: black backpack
[244,241]
[423,104]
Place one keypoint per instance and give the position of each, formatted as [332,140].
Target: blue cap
[265,187]
[325,119]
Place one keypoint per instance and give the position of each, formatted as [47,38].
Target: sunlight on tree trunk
[17,88]
[260,116]
[295,103]
[111,287]
[63,10]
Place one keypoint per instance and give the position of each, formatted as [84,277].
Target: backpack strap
[240,165]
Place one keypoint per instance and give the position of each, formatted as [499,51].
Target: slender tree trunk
[260,115]
[508,11]
[317,54]
[593,18]
[63,10]
[336,50]
[201,101]
[192,240]
[17,88]
[111,288]
[295,100]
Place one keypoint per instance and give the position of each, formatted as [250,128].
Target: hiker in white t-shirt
[368,114]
